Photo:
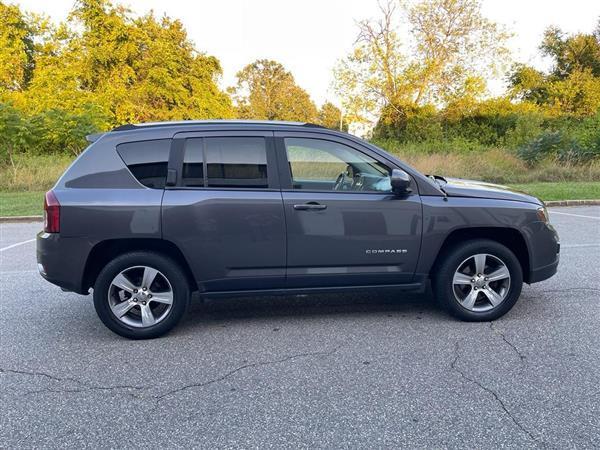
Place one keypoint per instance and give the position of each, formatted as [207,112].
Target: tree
[576,53]
[16,48]
[330,116]
[572,86]
[265,90]
[451,43]
[133,69]
[372,75]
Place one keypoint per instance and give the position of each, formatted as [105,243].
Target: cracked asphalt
[359,370]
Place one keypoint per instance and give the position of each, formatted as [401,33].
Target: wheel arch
[509,237]
[104,251]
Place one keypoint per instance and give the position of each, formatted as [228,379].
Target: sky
[309,36]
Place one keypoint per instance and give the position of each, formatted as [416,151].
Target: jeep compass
[150,213]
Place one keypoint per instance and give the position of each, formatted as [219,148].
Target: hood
[455,187]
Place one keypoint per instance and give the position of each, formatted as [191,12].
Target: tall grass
[494,165]
[33,172]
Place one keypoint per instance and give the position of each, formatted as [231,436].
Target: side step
[412,287]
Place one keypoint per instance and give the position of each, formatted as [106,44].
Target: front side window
[225,162]
[147,161]
[318,164]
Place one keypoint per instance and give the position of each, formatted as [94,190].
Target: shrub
[557,145]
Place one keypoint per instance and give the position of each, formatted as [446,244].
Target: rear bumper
[61,261]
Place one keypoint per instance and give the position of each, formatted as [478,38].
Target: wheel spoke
[147,316]
[479,263]
[461,278]
[149,275]
[494,298]
[139,296]
[120,309]
[163,297]
[499,274]
[470,299]
[122,282]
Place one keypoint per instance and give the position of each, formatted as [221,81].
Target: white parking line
[17,272]
[16,245]
[579,245]
[574,215]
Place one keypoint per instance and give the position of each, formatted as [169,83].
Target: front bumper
[545,253]
[543,273]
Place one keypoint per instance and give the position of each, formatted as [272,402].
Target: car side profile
[150,213]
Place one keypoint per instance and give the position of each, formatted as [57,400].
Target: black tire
[168,268]
[452,258]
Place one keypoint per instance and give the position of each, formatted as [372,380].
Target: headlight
[542,214]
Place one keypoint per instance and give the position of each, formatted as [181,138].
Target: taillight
[51,213]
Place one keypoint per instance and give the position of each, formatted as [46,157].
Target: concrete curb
[572,203]
[18,219]
[22,219]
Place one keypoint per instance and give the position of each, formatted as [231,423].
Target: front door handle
[310,206]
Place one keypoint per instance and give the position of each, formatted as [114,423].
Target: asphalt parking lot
[324,371]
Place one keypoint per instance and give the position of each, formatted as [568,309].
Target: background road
[321,371]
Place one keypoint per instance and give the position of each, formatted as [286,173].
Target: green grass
[21,203]
[562,191]
[31,203]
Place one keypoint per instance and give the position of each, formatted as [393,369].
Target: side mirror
[400,182]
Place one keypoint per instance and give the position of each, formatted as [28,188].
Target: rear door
[344,225]
[225,211]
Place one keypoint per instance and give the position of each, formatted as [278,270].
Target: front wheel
[141,295]
[480,280]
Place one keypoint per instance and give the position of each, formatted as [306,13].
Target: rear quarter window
[147,161]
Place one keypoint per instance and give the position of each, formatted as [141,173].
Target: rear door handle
[310,206]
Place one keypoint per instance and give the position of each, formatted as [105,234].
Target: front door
[344,224]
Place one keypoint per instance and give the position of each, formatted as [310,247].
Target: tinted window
[193,163]
[326,165]
[235,162]
[147,161]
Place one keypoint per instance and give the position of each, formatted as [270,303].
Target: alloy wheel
[140,296]
[481,282]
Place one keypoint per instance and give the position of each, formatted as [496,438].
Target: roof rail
[129,126]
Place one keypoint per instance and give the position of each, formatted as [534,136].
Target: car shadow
[314,305]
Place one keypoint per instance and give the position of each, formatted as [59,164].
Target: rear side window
[147,161]
[226,162]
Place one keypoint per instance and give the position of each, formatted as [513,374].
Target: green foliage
[577,53]
[549,143]
[107,63]
[572,87]
[106,66]
[65,131]
[330,116]
[576,142]
[15,133]
[50,131]
[16,48]
[553,116]
[451,44]
[267,91]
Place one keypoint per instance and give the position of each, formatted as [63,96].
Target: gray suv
[149,214]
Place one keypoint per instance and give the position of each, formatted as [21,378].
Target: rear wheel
[478,281]
[141,295]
